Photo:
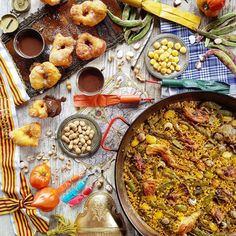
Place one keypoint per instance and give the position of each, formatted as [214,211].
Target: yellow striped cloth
[18,196]
[9,71]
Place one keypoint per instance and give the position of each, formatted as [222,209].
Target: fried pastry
[47,107]
[38,109]
[27,135]
[44,75]
[61,51]
[89,13]
[89,46]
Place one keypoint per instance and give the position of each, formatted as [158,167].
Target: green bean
[138,28]
[223,57]
[131,186]
[213,36]
[225,50]
[230,37]
[199,232]
[140,34]
[207,200]
[181,208]
[225,112]
[126,12]
[207,41]
[133,14]
[165,185]
[143,29]
[226,30]
[220,21]
[124,23]
[132,177]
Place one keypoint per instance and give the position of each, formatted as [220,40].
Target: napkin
[9,72]
[212,68]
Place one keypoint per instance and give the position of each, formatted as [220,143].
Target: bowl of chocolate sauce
[90,80]
[29,43]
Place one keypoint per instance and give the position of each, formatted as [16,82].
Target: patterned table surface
[109,70]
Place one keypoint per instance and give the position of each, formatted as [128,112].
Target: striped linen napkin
[212,68]
[10,73]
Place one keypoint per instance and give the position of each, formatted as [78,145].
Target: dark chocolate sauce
[30,43]
[53,105]
[90,80]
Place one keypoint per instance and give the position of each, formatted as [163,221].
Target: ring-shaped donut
[89,13]
[89,46]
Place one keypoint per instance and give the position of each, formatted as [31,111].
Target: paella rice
[180,170]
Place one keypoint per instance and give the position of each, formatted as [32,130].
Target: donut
[88,13]
[89,46]
[61,51]
[44,75]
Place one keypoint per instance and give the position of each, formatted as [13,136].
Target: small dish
[9,23]
[90,81]
[28,43]
[183,58]
[95,142]
[21,5]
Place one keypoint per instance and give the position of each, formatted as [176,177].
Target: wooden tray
[52,20]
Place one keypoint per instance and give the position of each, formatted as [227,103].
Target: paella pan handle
[107,131]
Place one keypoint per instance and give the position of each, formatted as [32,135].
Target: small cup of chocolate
[29,43]
[90,81]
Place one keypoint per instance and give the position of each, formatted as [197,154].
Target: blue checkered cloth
[212,68]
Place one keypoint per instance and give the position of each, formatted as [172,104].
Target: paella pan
[176,167]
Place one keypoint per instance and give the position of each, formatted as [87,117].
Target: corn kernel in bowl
[156,45]
[177,46]
[164,42]
[183,50]
[152,61]
[170,44]
[151,54]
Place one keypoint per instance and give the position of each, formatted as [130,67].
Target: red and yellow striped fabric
[8,69]
[17,201]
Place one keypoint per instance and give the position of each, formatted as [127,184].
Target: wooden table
[68,109]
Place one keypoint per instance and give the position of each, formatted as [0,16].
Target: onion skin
[46,199]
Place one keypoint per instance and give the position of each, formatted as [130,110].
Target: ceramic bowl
[183,58]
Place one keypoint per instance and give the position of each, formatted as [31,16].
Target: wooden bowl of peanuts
[166,56]
[79,136]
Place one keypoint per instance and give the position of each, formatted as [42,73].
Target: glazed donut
[89,13]
[44,75]
[51,2]
[61,51]
[27,135]
[89,46]
[38,109]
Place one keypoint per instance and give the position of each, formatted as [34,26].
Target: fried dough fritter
[89,13]
[27,135]
[89,46]
[44,75]
[38,109]
[61,51]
